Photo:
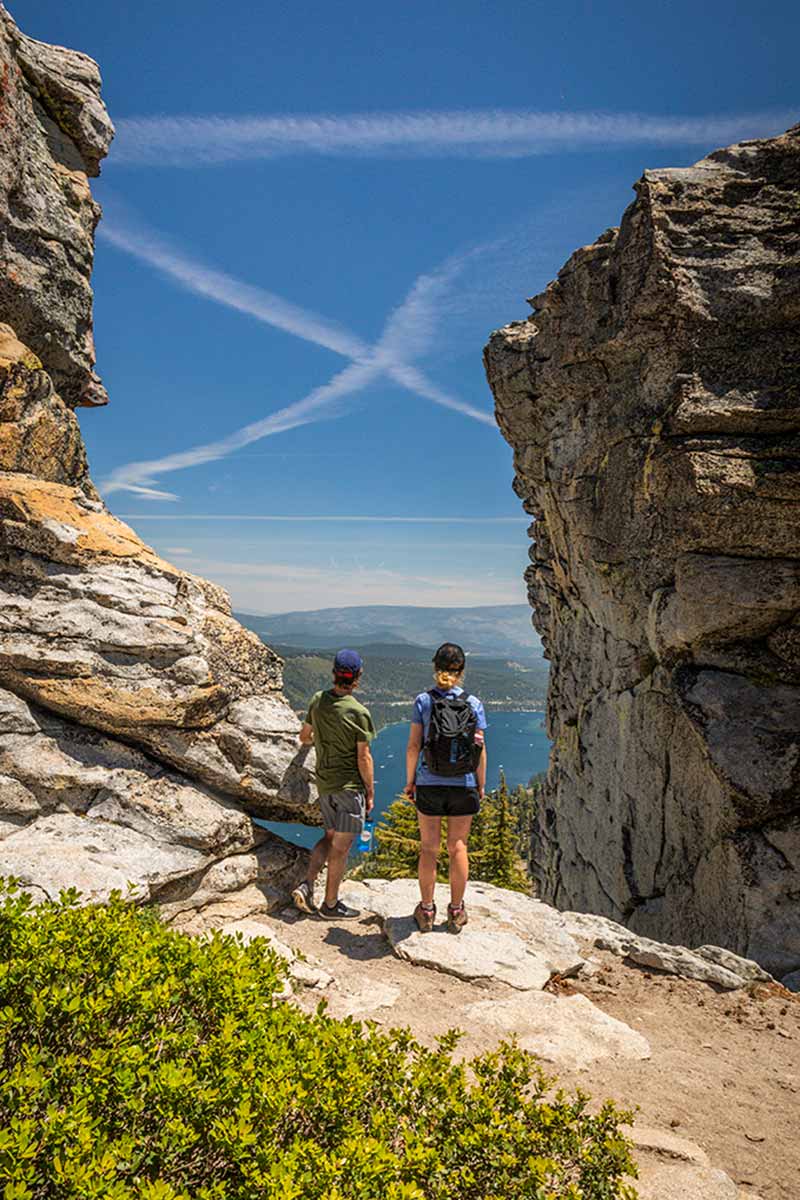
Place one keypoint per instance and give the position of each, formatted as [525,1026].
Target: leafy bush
[139,1063]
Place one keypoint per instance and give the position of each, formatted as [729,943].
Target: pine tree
[494,857]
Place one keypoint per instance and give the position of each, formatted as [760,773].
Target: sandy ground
[725,1066]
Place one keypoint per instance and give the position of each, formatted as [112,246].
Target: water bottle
[365,840]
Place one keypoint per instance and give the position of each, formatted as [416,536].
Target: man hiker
[341,729]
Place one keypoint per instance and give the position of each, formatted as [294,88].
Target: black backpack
[450,747]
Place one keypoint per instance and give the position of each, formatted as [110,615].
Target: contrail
[407,333]
[208,141]
[136,239]
[134,475]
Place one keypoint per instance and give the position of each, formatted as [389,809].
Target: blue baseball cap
[347,662]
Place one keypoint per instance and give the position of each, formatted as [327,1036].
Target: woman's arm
[306,734]
[412,758]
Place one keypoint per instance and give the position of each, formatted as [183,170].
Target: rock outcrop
[653,404]
[140,725]
[524,943]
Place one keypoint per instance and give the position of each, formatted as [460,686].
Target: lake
[516,742]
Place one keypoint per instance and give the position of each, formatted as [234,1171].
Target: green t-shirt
[339,723]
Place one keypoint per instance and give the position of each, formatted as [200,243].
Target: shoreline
[488,706]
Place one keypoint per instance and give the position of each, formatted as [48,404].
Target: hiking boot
[456,918]
[303,897]
[425,917]
[338,912]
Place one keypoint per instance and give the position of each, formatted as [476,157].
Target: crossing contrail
[406,335]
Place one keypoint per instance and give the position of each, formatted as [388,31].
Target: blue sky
[314,216]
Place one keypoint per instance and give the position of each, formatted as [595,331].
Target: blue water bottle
[365,840]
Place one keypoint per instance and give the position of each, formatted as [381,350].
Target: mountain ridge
[494,630]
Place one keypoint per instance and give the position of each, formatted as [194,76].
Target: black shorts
[439,800]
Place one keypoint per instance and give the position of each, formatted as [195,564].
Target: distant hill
[395,672]
[498,630]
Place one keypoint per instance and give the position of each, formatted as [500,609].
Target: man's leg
[319,856]
[457,834]
[303,894]
[430,832]
[338,851]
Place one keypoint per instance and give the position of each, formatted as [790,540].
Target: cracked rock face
[140,725]
[54,130]
[653,405]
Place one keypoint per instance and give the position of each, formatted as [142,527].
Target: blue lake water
[516,743]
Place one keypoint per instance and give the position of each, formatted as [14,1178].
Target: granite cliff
[140,725]
[653,404]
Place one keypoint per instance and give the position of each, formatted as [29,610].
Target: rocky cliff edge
[140,725]
[653,405]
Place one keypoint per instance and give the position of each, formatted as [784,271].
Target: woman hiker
[445,778]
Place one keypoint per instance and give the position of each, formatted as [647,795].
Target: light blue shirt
[422,716]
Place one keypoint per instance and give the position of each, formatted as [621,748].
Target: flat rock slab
[684,1181]
[479,955]
[366,1000]
[510,937]
[665,1145]
[567,1030]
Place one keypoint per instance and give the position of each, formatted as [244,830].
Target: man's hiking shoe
[424,917]
[456,918]
[303,897]
[338,912]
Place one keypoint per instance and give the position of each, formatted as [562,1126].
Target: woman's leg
[430,832]
[457,835]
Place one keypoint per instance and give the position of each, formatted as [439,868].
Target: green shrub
[137,1062]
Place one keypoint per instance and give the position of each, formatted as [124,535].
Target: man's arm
[306,734]
[366,769]
[480,773]
[412,758]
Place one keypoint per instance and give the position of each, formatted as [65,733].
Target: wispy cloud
[208,141]
[260,587]
[438,520]
[407,333]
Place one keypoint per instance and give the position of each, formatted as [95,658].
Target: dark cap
[347,662]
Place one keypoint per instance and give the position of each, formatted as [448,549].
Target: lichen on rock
[653,404]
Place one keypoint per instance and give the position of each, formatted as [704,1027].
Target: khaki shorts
[344,812]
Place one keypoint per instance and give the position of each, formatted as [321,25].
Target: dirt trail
[725,1066]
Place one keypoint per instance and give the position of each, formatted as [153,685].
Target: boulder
[663,1145]
[510,937]
[568,1031]
[653,404]
[96,627]
[79,809]
[673,1168]
[709,964]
